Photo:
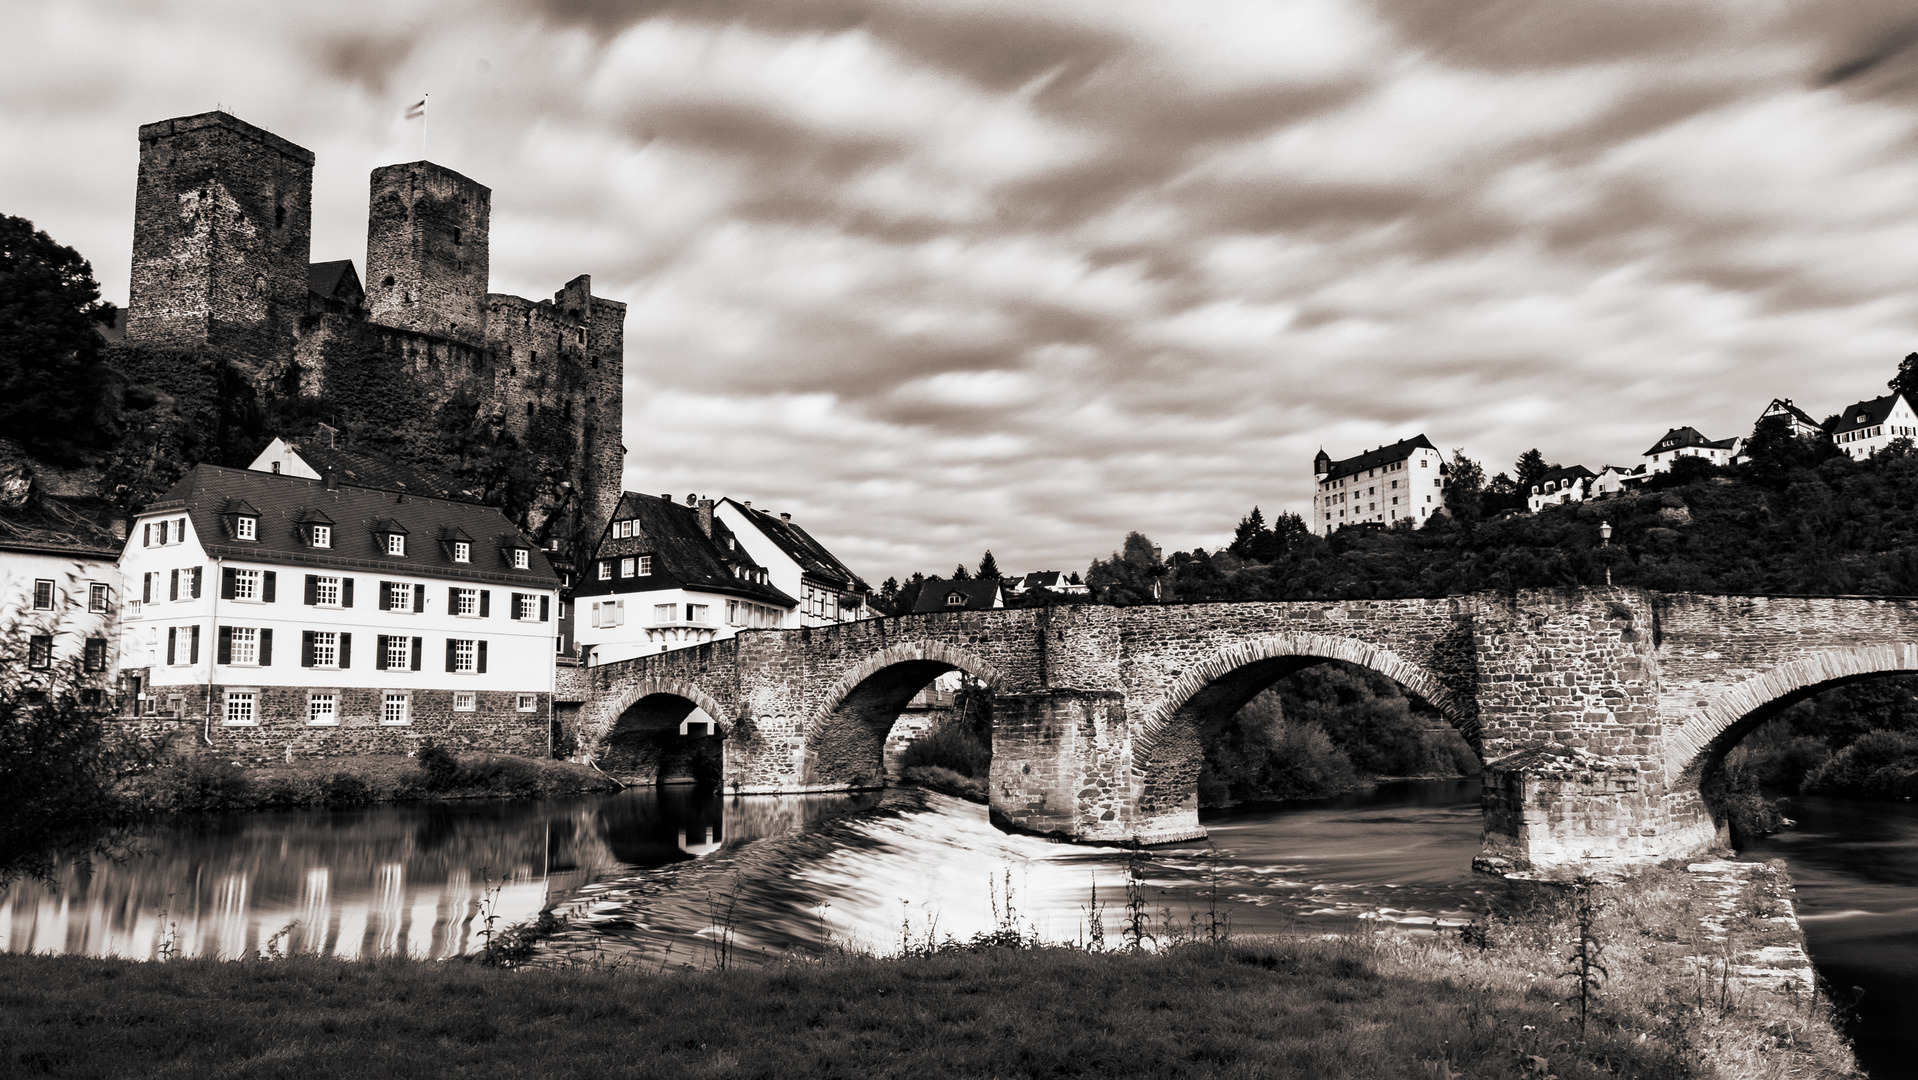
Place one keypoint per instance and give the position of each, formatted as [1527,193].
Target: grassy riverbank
[1492,1002]
[201,784]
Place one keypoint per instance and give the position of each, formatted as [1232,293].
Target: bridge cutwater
[1599,712]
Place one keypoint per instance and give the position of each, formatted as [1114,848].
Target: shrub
[440,768]
[1881,764]
[502,775]
[952,748]
[946,782]
[204,785]
[345,789]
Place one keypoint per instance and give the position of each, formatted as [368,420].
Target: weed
[1586,949]
[1095,920]
[1138,918]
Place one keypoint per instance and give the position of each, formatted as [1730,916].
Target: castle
[221,258]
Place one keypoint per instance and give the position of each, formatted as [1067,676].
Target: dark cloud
[1887,46]
[366,59]
[1519,35]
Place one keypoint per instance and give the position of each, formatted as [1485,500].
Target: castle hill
[780,542]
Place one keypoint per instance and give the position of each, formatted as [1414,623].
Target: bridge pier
[1557,810]
[1061,767]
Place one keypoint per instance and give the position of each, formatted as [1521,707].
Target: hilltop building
[1800,422]
[1401,482]
[1566,485]
[277,612]
[1866,427]
[222,259]
[1689,442]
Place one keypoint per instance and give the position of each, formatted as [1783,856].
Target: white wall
[69,622]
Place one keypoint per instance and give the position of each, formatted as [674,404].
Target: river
[658,875]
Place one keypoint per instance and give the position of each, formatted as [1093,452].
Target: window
[696,613]
[605,571]
[399,653]
[396,543]
[96,655]
[326,591]
[243,645]
[528,702]
[323,649]
[645,566]
[613,612]
[40,652]
[399,595]
[955,599]
[276,468]
[246,585]
[97,596]
[462,551]
[322,710]
[525,606]
[246,527]
[663,613]
[466,602]
[241,708]
[322,536]
[522,559]
[462,655]
[160,532]
[394,708]
[626,568]
[43,595]
[465,701]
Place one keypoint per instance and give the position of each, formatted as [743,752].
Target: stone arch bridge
[1599,712]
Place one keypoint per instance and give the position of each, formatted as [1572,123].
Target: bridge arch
[845,739]
[1709,733]
[632,723]
[1166,753]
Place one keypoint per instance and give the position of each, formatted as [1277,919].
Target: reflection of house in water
[696,848]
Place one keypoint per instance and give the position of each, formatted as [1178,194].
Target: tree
[1906,381]
[989,568]
[1773,453]
[959,573]
[1530,468]
[1247,538]
[53,388]
[1133,575]
[1465,482]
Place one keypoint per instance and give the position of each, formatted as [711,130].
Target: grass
[204,784]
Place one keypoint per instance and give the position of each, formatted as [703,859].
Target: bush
[950,748]
[503,775]
[440,768]
[204,785]
[946,782]
[345,789]
[1880,765]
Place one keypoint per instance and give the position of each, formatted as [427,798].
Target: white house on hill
[1689,442]
[1870,426]
[1401,482]
[1569,484]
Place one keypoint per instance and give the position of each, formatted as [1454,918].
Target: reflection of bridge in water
[397,880]
[1599,712]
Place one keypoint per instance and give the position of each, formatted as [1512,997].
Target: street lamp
[1605,541]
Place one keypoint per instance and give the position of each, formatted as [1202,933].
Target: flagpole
[424,98]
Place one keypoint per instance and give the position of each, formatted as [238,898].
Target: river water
[667,877]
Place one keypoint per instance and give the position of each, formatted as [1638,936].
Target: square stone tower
[426,251]
[222,231]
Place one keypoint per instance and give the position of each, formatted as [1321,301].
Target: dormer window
[246,527]
[955,599]
[396,543]
[322,536]
[462,551]
[522,559]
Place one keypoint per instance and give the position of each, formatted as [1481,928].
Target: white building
[59,599]
[1800,422]
[1401,482]
[1615,480]
[1560,486]
[665,576]
[1688,442]
[274,609]
[797,564]
[1869,426]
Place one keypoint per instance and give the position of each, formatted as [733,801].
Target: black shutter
[146,535]
[225,648]
[306,644]
[268,587]
[266,647]
[196,581]
[449,654]
[346,651]
[146,588]
[543,601]
[419,598]
[386,597]
[312,592]
[193,648]
[346,594]
[173,585]
[482,656]
[172,642]
[452,601]
[227,576]
[419,645]
[379,653]
[486,603]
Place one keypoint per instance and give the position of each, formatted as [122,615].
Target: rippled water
[1856,868]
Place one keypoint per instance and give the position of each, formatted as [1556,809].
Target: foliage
[989,567]
[953,747]
[1880,765]
[55,395]
[945,781]
[440,769]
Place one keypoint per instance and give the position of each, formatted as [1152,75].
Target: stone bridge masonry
[1599,712]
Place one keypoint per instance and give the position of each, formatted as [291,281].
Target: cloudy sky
[947,275]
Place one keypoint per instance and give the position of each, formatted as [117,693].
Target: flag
[416,110]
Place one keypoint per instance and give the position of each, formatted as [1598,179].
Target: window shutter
[379,653]
[543,602]
[482,656]
[346,594]
[619,613]
[146,588]
[386,596]
[449,654]
[312,593]
[146,535]
[486,603]
[346,651]
[172,642]
[268,585]
[419,646]
[452,601]
[196,581]
[225,648]
[173,585]
[419,598]
[266,647]
[512,605]
[193,646]
[306,646]
[227,574]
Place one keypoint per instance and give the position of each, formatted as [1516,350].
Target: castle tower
[427,233]
[222,231]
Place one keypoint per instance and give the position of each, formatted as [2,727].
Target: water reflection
[416,880]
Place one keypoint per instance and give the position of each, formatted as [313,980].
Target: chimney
[748,504]
[785,517]
[667,496]
[706,517]
[332,482]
